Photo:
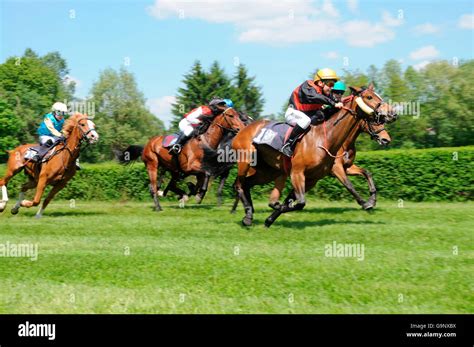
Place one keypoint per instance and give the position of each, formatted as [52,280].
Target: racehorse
[157,158]
[56,171]
[313,157]
[344,166]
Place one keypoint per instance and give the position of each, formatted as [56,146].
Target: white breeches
[293,117]
[44,138]
[185,126]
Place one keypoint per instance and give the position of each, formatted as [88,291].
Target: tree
[201,86]
[121,116]
[28,88]
[247,96]
[193,94]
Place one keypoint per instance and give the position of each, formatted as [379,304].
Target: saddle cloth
[274,134]
[170,140]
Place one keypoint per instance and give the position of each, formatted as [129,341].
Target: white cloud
[330,55]
[390,21]
[421,65]
[466,21]
[281,22]
[329,9]
[426,28]
[161,108]
[68,79]
[352,5]
[426,52]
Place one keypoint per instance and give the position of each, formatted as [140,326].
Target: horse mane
[71,123]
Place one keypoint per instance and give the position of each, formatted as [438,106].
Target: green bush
[416,175]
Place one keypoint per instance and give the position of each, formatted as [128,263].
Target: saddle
[41,154]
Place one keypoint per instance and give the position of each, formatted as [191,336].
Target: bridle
[230,128]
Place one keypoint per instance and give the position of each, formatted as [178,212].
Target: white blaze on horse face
[94,136]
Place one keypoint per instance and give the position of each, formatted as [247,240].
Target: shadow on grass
[304,224]
[72,212]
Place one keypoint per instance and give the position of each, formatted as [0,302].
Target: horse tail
[129,155]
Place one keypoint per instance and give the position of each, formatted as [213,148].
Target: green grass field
[121,257]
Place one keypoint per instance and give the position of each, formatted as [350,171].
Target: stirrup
[287,150]
[176,148]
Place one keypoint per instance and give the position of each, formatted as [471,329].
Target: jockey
[338,91]
[305,101]
[327,111]
[194,118]
[50,128]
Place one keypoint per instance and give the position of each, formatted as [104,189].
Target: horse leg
[160,183]
[41,186]
[221,187]
[14,167]
[182,196]
[52,193]
[241,187]
[275,214]
[300,186]
[203,183]
[276,192]
[340,173]
[354,170]
[152,168]
[24,188]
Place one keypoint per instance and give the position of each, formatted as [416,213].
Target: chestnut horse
[56,171]
[189,161]
[344,166]
[313,156]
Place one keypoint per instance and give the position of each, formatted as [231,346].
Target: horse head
[85,128]
[229,120]
[371,106]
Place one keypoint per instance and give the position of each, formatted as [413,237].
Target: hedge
[440,174]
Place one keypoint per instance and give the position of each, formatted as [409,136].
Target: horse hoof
[268,223]
[247,221]
[158,209]
[15,210]
[232,211]
[38,216]
[368,206]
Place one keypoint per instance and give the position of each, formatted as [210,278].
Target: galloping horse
[313,156]
[59,168]
[189,160]
[344,166]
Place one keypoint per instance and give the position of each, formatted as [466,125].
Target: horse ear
[355,90]
[371,86]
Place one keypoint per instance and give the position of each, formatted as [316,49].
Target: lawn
[121,257]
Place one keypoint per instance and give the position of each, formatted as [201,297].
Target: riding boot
[288,147]
[176,148]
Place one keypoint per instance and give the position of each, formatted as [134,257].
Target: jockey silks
[309,98]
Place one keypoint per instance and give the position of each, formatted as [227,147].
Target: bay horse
[344,166]
[156,157]
[56,171]
[313,156]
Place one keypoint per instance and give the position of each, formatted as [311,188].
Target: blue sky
[279,41]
